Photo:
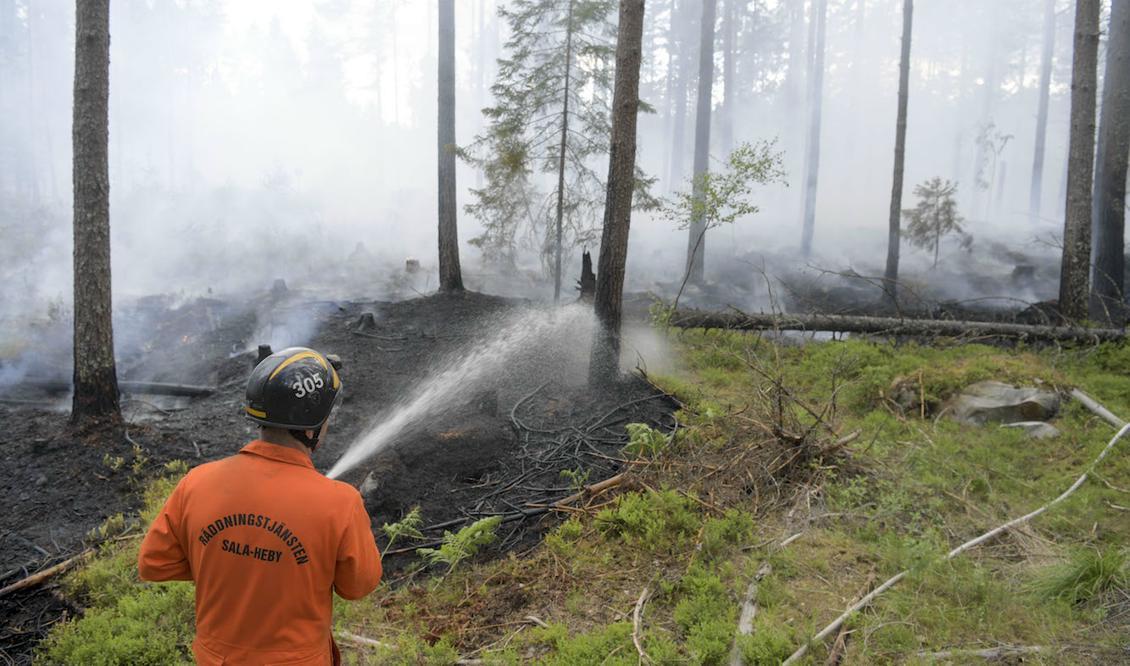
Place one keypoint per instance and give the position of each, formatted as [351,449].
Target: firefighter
[265,537]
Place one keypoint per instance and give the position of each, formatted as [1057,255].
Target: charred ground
[496,448]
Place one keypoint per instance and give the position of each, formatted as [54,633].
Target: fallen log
[741,321]
[126,386]
[987,653]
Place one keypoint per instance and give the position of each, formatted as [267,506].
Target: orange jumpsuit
[267,539]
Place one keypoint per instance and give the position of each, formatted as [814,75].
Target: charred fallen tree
[126,387]
[740,321]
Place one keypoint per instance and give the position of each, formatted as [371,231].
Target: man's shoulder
[342,491]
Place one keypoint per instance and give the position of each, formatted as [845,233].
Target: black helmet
[294,389]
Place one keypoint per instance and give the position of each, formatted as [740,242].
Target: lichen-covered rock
[996,402]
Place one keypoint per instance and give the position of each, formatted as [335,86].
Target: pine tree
[891,275]
[95,375]
[1109,199]
[815,104]
[618,205]
[450,275]
[1075,269]
[696,233]
[1036,191]
[549,123]
[935,216]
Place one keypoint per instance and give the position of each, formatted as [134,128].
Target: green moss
[151,625]
[126,621]
[770,643]
[706,614]
[661,521]
[611,645]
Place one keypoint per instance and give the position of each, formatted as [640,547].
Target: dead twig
[637,626]
[42,576]
[1093,405]
[839,646]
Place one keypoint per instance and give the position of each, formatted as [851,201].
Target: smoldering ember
[564,331]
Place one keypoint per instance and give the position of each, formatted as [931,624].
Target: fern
[463,544]
[644,441]
[408,527]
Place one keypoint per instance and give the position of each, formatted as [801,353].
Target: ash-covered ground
[495,445]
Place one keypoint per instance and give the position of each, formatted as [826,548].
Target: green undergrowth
[911,486]
[916,487]
[125,621]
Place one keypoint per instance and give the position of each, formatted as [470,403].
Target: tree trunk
[95,376]
[450,275]
[679,132]
[729,85]
[1036,193]
[988,96]
[395,65]
[812,154]
[794,74]
[605,359]
[696,236]
[561,155]
[894,221]
[1109,198]
[1075,269]
[669,94]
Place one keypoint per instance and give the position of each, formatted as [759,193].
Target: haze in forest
[258,140]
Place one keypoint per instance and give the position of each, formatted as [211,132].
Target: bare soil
[502,445]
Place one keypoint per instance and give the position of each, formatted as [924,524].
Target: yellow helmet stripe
[337,380]
[298,357]
[255,412]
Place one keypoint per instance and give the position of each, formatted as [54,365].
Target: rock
[996,402]
[41,479]
[369,485]
[1035,429]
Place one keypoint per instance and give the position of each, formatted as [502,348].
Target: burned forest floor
[721,507]
[497,391]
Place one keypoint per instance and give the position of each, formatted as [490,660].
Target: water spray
[456,381]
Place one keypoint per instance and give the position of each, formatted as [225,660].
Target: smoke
[268,140]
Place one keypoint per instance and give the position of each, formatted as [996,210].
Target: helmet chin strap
[310,442]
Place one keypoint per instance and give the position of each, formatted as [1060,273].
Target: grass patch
[1087,574]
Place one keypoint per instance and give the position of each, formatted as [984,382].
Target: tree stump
[587,283]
